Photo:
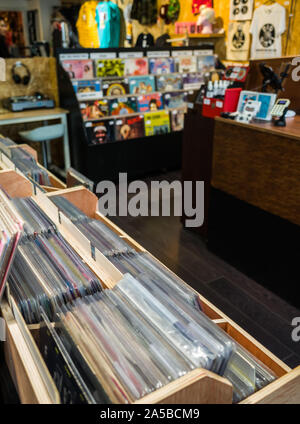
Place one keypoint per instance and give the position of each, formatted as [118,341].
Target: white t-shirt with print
[238,41]
[268,24]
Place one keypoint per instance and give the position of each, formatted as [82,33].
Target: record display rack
[29,372]
[136,157]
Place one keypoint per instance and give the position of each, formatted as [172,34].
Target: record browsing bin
[30,373]
[6,163]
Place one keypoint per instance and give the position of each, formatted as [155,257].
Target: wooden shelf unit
[198,387]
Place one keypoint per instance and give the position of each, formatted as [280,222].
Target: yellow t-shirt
[87,25]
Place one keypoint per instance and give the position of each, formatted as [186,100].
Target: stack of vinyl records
[24,162]
[122,344]
[135,341]
[126,259]
[46,271]
[10,231]
[100,236]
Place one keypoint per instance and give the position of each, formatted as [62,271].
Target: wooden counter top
[292,129]
[6,115]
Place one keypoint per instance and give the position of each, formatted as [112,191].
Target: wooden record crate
[6,163]
[30,373]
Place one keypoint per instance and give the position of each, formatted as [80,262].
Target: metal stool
[43,135]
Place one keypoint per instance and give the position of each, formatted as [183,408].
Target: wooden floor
[259,311]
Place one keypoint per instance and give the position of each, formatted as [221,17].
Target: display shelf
[130,115]
[136,157]
[204,36]
[197,387]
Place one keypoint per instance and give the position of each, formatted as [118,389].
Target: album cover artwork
[161,66]
[110,68]
[123,106]
[87,89]
[157,123]
[142,84]
[206,63]
[115,87]
[177,119]
[170,82]
[187,64]
[79,69]
[101,132]
[96,109]
[150,102]
[135,67]
[130,128]
[193,81]
[175,100]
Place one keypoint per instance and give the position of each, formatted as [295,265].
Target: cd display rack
[127,106]
[30,373]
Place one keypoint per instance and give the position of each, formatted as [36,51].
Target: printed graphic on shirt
[238,40]
[267,35]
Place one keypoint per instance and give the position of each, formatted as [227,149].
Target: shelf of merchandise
[136,157]
[29,372]
[203,36]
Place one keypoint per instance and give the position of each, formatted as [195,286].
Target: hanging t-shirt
[268,25]
[238,41]
[145,41]
[87,25]
[108,20]
[144,11]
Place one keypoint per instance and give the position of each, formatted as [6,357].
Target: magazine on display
[115,87]
[175,100]
[150,102]
[135,67]
[101,132]
[177,119]
[157,123]
[79,69]
[170,82]
[94,109]
[87,89]
[187,64]
[193,81]
[205,63]
[123,106]
[142,84]
[130,128]
[162,66]
[110,68]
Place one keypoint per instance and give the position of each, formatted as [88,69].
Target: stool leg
[44,147]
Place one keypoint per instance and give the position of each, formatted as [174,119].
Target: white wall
[44,8]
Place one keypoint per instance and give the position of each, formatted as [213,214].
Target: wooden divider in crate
[197,387]
[6,163]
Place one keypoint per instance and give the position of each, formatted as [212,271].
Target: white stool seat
[45,133]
